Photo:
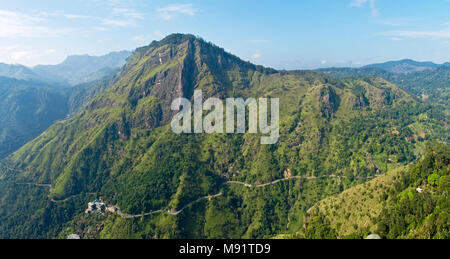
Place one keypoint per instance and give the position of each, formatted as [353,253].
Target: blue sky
[290,34]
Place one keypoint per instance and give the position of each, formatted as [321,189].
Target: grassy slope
[390,204]
[356,208]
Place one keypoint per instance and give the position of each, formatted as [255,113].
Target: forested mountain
[80,69]
[429,83]
[75,70]
[335,133]
[17,72]
[79,95]
[32,99]
[405,66]
[26,109]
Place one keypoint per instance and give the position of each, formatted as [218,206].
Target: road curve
[51,191]
[175,213]
[209,197]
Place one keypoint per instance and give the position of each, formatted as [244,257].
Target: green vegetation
[31,101]
[26,110]
[429,83]
[120,146]
[410,202]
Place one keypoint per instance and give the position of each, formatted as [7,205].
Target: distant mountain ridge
[76,69]
[27,108]
[425,80]
[404,66]
[31,99]
[17,72]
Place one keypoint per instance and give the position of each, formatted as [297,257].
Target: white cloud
[374,10]
[19,55]
[122,14]
[147,38]
[139,38]
[158,34]
[171,11]
[128,13]
[397,21]
[75,16]
[59,14]
[49,51]
[118,23]
[9,47]
[256,55]
[442,34]
[360,3]
[16,25]
[15,54]
[99,28]
[395,39]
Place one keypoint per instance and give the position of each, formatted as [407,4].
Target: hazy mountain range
[339,128]
[425,80]
[406,66]
[31,99]
[74,70]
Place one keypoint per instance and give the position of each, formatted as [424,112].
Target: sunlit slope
[410,202]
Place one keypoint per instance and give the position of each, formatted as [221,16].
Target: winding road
[10,169]
[174,213]
[51,191]
[208,197]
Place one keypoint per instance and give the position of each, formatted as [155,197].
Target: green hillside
[334,134]
[429,83]
[392,205]
[26,110]
[405,66]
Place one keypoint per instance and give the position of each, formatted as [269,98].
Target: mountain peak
[78,69]
[176,65]
[112,59]
[172,39]
[17,71]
